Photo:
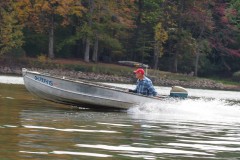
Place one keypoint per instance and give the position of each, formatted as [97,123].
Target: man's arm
[136,88]
[151,90]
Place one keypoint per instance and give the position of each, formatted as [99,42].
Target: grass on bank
[99,68]
[226,81]
[104,68]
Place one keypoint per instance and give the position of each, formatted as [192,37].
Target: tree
[150,30]
[11,36]
[105,20]
[44,15]
[161,37]
[199,20]
[178,35]
[90,21]
[233,12]
[224,39]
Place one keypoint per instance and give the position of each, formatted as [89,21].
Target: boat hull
[81,93]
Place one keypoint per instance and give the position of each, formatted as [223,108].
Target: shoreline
[196,84]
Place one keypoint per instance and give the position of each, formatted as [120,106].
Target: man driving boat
[144,85]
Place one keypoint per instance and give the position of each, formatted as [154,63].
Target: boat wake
[202,109]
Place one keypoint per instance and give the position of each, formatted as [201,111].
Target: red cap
[139,70]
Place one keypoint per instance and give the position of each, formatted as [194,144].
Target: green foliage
[110,42]
[161,37]
[144,45]
[77,68]
[205,47]
[99,68]
[11,36]
[66,39]
[236,76]
[35,44]
[233,12]
[85,31]
[42,58]
[182,41]
[152,11]
[16,53]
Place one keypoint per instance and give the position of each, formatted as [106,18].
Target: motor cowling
[178,91]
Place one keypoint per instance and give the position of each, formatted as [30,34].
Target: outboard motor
[178,91]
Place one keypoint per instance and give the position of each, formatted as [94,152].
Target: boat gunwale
[95,84]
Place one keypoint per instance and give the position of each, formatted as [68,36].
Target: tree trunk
[78,48]
[225,64]
[156,56]
[87,49]
[176,62]
[51,39]
[196,63]
[198,50]
[95,51]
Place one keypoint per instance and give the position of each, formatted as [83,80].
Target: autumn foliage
[200,36]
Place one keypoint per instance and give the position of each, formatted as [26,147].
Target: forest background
[199,37]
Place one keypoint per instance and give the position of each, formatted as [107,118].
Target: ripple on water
[129,149]
[70,130]
[69,153]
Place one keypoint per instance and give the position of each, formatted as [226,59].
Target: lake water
[203,128]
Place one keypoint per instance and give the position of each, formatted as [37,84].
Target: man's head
[139,73]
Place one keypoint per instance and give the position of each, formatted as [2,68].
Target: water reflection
[86,133]
[70,129]
[137,150]
[31,128]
